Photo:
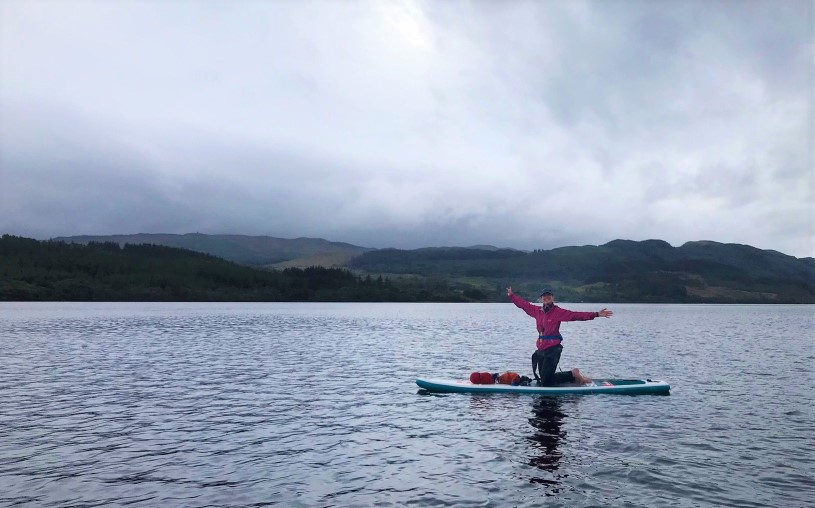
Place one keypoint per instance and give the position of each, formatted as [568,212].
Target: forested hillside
[35,270]
[619,271]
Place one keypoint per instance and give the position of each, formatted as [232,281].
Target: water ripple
[314,405]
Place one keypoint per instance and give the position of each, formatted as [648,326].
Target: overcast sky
[409,124]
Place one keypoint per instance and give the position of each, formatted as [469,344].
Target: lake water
[181,404]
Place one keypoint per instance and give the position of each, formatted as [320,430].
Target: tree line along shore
[628,272]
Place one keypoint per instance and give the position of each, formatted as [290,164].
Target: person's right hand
[509,291]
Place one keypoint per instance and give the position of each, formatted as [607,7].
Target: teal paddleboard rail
[610,386]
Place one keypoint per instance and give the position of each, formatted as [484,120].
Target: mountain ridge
[617,271]
[328,245]
[254,250]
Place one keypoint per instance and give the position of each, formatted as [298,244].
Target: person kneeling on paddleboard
[548,319]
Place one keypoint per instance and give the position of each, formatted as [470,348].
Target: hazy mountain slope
[621,270]
[252,250]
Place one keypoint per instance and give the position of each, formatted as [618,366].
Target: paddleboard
[616,386]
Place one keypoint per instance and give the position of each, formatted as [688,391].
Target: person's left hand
[605,313]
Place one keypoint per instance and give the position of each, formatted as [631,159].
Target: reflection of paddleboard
[620,386]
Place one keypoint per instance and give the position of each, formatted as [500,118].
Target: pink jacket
[548,322]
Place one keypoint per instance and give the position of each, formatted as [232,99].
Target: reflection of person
[547,421]
[548,319]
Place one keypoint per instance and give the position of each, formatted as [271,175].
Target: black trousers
[544,362]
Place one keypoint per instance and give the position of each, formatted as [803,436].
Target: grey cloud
[737,186]
[527,124]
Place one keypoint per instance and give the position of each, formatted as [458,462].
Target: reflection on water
[230,405]
[544,443]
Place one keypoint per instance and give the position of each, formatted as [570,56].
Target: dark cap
[547,291]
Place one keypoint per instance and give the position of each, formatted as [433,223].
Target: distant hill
[619,271]
[57,271]
[488,247]
[248,250]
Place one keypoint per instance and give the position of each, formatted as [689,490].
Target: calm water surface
[156,404]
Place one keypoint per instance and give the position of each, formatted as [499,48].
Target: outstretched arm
[521,303]
[570,315]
